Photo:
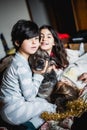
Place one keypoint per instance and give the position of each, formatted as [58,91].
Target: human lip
[34,47]
[44,43]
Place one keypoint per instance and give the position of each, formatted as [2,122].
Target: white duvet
[75,69]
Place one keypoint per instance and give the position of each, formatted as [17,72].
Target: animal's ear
[47,57]
[45,54]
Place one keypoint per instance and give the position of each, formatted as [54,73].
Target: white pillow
[72,55]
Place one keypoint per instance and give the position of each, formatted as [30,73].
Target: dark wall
[61,15]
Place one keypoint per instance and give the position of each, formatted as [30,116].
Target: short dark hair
[23,29]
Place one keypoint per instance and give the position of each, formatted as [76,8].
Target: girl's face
[47,40]
[29,46]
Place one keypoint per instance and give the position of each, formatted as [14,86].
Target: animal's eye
[39,56]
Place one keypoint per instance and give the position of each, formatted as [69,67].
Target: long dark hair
[58,50]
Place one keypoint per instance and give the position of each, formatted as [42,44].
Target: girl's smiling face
[46,40]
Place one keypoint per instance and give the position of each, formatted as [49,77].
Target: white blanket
[76,69]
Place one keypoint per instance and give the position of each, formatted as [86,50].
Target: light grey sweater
[18,93]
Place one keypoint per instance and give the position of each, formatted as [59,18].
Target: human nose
[43,38]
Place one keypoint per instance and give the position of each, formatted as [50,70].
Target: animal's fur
[55,92]
[37,62]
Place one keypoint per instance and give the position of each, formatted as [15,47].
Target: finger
[46,65]
[81,77]
[84,80]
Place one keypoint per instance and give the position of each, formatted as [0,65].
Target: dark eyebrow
[49,34]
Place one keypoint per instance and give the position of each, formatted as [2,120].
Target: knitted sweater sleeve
[29,84]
